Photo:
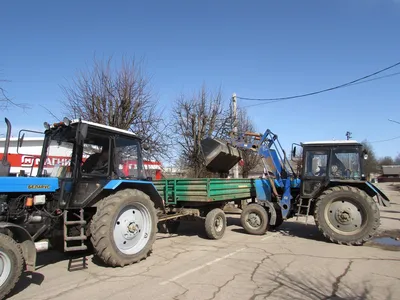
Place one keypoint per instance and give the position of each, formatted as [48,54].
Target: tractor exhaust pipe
[5,164]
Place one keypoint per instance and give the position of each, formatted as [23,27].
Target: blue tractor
[329,183]
[87,203]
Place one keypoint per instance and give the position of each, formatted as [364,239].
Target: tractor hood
[28,184]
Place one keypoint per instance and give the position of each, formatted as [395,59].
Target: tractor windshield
[345,164]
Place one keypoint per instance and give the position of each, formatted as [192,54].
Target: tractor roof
[106,127]
[330,143]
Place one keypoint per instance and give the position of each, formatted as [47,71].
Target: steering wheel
[103,167]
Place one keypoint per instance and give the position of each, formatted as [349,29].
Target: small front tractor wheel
[11,264]
[124,228]
[279,219]
[346,215]
[254,219]
[215,223]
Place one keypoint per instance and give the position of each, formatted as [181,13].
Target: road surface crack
[335,285]
[185,290]
[219,288]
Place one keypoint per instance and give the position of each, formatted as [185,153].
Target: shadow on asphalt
[27,278]
[391,211]
[305,285]
[45,259]
[294,229]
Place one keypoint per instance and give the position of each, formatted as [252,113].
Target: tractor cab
[329,161]
[96,151]
[95,154]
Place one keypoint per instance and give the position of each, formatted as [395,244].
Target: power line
[360,82]
[321,91]
[387,140]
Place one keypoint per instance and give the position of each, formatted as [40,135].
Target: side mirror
[294,151]
[145,146]
[21,140]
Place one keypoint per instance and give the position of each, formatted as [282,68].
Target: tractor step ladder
[299,208]
[82,237]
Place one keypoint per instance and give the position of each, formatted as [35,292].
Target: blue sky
[252,48]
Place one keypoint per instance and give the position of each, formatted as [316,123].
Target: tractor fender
[382,198]
[22,236]
[367,187]
[271,209]
[146,187]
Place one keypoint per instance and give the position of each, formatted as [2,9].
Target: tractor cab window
[95,156]
[127,155]
[58,149]
[316,163]
[345,164]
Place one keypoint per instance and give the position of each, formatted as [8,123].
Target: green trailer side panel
[205,189]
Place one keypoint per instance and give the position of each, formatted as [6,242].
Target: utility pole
[348,135]
[234,131]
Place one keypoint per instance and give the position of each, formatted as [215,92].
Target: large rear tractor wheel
[124,228]
[11,264]
[215,224]
[346,215]
[254,219]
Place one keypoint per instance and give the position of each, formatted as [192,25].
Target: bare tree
[397,159]
[6,102]
[387,160]
[195,118]
[119,96]
[250,158]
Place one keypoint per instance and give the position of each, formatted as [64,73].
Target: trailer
[202,198]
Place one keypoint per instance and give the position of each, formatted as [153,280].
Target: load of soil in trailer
[219,156]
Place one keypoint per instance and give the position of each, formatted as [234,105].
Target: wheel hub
[254,220]
[218,224]
[132,229]
[344,216]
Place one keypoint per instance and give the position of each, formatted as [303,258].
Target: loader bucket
[219,156]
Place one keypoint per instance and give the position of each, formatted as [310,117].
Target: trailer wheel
[346,215]
[11,264]
[124,228]
[254,219]
[215,224]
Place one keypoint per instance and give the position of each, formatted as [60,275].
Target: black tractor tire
[170,226]
[215,223]
[278,221]
[258,224]
[351,203]
[12,258]
[108,223]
